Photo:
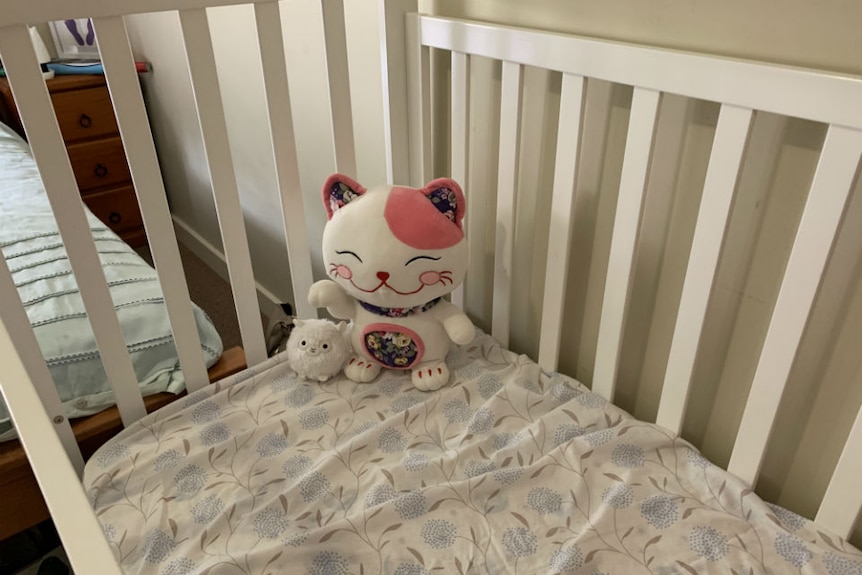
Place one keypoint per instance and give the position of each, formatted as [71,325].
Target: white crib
[426,72]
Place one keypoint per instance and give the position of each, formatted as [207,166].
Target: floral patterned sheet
[506,470]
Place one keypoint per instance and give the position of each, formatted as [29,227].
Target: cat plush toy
[393,252]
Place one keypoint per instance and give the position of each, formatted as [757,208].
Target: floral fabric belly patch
[393,346]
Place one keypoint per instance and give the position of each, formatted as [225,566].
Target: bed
[514,466]
[33,248]
[509,469]
[34,251]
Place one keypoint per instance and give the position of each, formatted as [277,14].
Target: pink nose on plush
[383,276]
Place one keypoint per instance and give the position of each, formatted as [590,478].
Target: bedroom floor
[36,551]
[210,292]
[53,563]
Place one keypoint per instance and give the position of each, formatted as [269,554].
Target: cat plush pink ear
[429,218]
[445,194]
[338,191]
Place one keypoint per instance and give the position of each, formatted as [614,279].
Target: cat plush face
[394,246]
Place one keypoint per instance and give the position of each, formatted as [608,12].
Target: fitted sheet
[34,252]
[506,470]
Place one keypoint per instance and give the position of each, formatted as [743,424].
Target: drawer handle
[115,218]
[100,171]
[85,121]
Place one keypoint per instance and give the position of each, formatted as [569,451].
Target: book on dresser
[86,118]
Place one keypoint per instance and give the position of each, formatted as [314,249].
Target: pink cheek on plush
[344,272]
[429,278]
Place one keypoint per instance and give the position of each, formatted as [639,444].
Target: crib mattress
[506,470]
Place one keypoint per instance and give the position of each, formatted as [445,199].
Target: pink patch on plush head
[427,219]
[338,191]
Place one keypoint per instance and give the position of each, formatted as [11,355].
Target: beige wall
[821,34]
[157,38]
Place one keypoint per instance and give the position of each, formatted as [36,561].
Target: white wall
[157,39]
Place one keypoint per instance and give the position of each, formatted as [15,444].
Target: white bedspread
[34,251]
[506,470]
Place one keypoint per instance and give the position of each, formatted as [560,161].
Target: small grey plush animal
[317,348]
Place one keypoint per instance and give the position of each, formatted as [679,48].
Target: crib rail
[143,164]
[57,474]
[202,67]
[743,90]
[39,12]
[44,437]
[38,119]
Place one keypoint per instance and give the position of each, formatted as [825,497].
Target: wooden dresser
[86,118]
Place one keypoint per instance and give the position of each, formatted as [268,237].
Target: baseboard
[214,258]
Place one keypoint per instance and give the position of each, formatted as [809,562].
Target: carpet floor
[210,292]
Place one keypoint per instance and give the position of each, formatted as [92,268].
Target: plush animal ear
[298,322]
[446,195]
[338,191]
[423,218]
[343,327]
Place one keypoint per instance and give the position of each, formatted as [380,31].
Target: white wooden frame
[741,88]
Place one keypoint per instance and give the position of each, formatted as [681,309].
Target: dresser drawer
[84,113]
[99,163]
[117,208]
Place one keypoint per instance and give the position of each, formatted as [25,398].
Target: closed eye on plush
[411,260]
[343,252]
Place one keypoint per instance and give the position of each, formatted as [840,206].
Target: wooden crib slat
[124,86]
[202,68]
[37,116]
[562,219]
[460,135]
[58,478]
[626,223]
[585,289]
[335,37]
[656,297]
[507,181]
[811,248]
[271,41]
[724,164]
[14,317]
[418,102]
[395,106]
[842,503]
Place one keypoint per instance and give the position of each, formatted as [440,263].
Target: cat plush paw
[328,294]
[430,376]
[361,370]
[460,329]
